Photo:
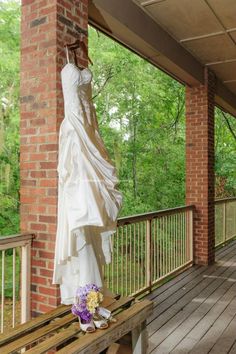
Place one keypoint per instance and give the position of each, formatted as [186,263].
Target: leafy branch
[229,125]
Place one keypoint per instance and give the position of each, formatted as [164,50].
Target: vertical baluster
[142,250]
[166,246]
[186,239]
[3,290]
[187,235]
[178,240]
[134,253]
[162,244]
[182,243]
[148,254]
[158,248]
[182,240]
[144,253]
[122,260]
[139,263]
[184,232]
[181,230]
[107,269]
[171,242]
[13,287]
[181,233]
[130,260]
[112,266]
[167,243]
[175,242]
[126,261]
[191,235]
[117,262]
[154,265]
[224,222]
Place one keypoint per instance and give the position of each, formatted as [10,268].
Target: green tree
[9,117]
[141,117]
[225,145]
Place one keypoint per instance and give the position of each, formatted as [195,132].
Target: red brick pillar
[46,26]
[200,166]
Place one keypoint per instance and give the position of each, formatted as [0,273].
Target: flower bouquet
[86,307]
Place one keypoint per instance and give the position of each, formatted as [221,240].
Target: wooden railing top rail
[13,240]
[225,200]
[154,214]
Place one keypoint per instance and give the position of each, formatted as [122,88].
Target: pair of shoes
[98,321]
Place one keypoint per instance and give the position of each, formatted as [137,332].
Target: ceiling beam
[123,20]
[128,14]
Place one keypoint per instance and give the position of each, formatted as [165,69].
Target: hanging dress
[88,201]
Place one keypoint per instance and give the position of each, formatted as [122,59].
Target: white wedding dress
[88,202]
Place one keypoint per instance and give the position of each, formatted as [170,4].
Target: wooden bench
[59,330]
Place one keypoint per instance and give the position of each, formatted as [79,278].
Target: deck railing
[225,220]
[15,253]
[148,248]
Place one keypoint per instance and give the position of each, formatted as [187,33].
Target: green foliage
[141,117]
[9,117]
[8,284]
[225,157]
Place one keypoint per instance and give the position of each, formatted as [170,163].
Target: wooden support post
[140,339]
[25,282]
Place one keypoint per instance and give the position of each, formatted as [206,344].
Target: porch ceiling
[179,36]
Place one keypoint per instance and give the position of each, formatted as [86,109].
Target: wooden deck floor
[196,311]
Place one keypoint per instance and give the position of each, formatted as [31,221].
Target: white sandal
[99,321]
[87,327]
[105,313]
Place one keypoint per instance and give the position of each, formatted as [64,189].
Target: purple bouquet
[87,299]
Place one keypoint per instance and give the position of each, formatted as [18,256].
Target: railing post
[224,222]
[25,282]
[149,254]
[190,234]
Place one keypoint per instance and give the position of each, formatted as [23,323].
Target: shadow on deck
[196,311]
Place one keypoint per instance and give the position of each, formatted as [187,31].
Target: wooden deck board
[196,311]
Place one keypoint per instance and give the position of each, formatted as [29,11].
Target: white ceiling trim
[221,62]
[214,34]
[228,81]
[219,20]
[150,2]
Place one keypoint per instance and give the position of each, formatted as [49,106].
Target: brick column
[46,26]
[200,166]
